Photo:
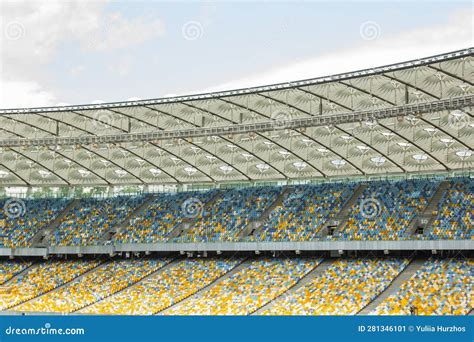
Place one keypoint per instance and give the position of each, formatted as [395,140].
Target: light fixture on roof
[378,160]
[330,128]
[4,174]
[190,170]
[346,138]
[285,154]
[121,173]
[84,173]
[323,151]
[211,159]
[269,143]
[232,147]
[175,160]
[195,149]
[430,130]
[363,149]
[447,141]
[464,154]
[30,163]
[155,172]
[307,142]
[338,163]
[44,173]
[300,165]
[262,167]
[105,162]
[226,168]
[420,158]
[388,135]
[371,124]
[247,156]
[140,161]
[412,120]
[404,145]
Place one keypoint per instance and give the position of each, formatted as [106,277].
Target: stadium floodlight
[84,173]
[430,130]
[211,159]
[338,163]
[247,156]
[226,168]
[262,167]
[190,170]
[363,149]
[420,158]
[378,161]
[464,154]
[120,173]
[155,172]
[300,165]
[285,154]
[404,145]
[232,147]
[447,141]
[4,174]
[323,151]
[44,173]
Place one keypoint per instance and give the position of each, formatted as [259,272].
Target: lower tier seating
[40,278]
[440,287]
[167,287]
[94,286]
[247,290]
[344,288]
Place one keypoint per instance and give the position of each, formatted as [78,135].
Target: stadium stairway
[109,234]
[41,237]
[338,221]
[254,227]
[187,223]
[402,277]
[11,308]
[319,269]
[426,217]
[244,264]
[152,274]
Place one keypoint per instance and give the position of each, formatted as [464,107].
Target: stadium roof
[403,118]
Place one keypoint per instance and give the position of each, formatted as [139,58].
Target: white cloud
[32,32]
[454,34]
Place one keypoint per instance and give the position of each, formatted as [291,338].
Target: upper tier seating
[33,215]
[304,211]
[88,221]
[455,212]
[440,287]
[344,288]
[94,286]
[386,209]
[247,290]
[163,214]
[231,213]
[167,287]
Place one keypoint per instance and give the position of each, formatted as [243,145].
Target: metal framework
[410,117]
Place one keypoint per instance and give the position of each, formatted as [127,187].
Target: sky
[82,51]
